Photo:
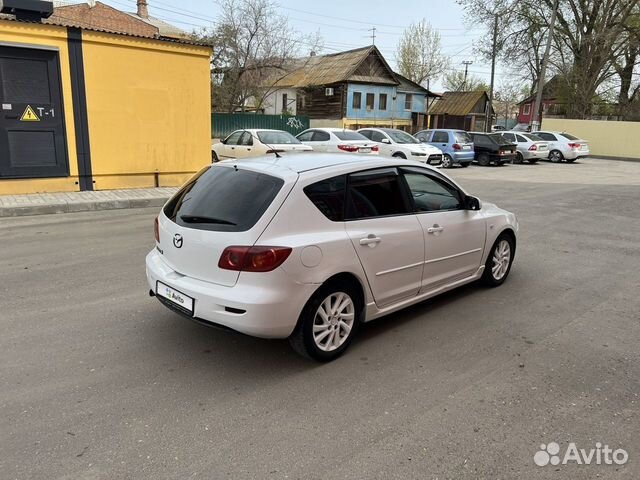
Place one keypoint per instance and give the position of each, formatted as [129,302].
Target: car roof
[301,162]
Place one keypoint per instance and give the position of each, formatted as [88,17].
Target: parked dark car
[492,148]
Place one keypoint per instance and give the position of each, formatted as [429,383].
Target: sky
[344,25]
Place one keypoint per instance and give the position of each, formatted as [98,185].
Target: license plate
[583,147]
[174,296]
[466,147]
[365,150]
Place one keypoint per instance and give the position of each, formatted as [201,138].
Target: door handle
[370,240]
[435,229]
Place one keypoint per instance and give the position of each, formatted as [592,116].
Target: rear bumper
[575,154]
[537,155]
[463,157]
[263,305]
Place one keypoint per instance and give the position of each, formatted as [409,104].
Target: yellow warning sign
[29,115]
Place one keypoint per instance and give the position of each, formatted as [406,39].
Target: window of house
[285,102]
[382,102]
[371,98]
[408,101]
[375,193]
[526,110]
[357,100]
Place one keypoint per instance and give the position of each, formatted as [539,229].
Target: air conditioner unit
[328,92]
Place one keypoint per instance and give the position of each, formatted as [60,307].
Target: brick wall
[101,16]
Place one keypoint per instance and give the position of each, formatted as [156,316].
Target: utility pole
[466,64]
[494,52]
[373,35]
[535,123]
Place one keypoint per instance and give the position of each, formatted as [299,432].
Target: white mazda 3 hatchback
[309,246]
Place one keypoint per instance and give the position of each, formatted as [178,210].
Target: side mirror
[471,203]
[386,140]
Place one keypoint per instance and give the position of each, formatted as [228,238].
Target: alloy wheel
[501,259]
[446,161]
[333,321]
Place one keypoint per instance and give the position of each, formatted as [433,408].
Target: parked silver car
[529,147]
[564,146]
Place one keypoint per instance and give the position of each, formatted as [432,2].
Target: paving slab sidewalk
[67,202]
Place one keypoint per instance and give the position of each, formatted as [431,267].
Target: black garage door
[32,137]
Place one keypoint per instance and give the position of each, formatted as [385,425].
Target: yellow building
[84,109]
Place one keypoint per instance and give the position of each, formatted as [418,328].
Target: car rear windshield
[568,136]
[462,137]
[274,138]
[349,135]
[499,139]
[223,199]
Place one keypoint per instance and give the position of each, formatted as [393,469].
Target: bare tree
[419,53]
[252,44]
[454,81]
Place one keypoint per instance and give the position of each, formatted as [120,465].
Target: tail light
[533,148]
[156,229]
[348,148]
[574,145]
[253,259]
[375,148]
[457,146]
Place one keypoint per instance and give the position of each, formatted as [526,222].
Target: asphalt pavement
[100,381]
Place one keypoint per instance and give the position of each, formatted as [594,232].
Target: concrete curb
[81,206]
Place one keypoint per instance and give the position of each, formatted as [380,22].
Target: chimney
[143,9]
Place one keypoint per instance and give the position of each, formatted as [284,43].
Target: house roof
[457,103]
[549,90]
[339,67]
[184,41]
[406,85]
[164,29]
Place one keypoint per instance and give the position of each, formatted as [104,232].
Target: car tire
[214,157]
[399,155]
[499,261]
[325,339]
[483,159]
[556,156]
[519,158]
[447,161]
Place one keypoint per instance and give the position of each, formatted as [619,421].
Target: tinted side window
[319,136]
[375,193]
[367,133]
[440,137]
[328,196]
[246,139]
[431,194]
[509,137]
[223,199]
[481,140]
[521,139]
[377,136]
[547,136]
[233,138]
[305,136]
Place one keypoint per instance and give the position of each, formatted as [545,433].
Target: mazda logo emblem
[177,240]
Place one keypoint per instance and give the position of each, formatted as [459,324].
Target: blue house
[356,89]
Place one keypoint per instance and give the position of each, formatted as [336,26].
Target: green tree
[419,53]
[453,81]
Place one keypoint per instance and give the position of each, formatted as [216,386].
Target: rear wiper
[199,219]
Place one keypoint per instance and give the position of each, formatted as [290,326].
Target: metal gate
[32,136]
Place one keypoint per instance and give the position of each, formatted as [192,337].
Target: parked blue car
[456,145]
